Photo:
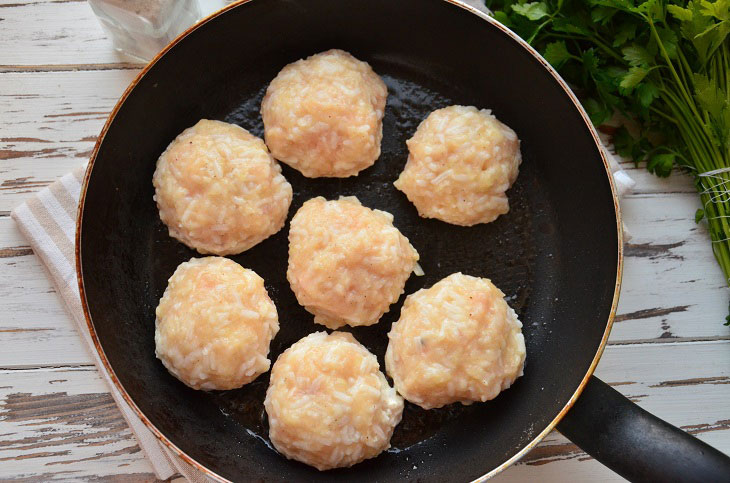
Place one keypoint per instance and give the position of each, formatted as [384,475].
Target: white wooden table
[59,78]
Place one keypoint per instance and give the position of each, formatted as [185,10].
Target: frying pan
[556,254]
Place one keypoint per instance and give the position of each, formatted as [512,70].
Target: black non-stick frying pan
[556,254]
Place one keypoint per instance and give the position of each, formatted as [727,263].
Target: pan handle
[635,444]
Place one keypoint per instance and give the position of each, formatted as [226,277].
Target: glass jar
[141,28]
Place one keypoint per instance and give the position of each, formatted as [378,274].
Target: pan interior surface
[554,254]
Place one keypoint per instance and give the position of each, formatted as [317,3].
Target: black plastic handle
[638,445]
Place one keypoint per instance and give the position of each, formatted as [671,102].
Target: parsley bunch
[663,64]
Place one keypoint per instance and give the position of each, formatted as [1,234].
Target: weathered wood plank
[63,420]
[48,125]
[677,182]
[10,236]
[62,424]
[42,35]
[672,285]
[57,106]
[48,33]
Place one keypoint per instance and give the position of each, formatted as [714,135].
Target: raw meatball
[323,115]
[214,324]
[457,341]
[328,404]
[219,190]
[347,263]
[461,163]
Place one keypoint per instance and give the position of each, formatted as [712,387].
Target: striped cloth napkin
[48,221]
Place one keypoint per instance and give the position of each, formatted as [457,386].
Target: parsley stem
[663,114]
[605,48]
[684,66]
[601,45]
[726,69]
[680,84]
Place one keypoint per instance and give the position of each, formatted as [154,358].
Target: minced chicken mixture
[457,341]
[214,324]
[328,403]
[347,263]
[462,161]
[219,190]
[323,115]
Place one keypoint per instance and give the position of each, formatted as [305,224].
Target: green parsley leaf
[693,29]
[652,9]
[636,55]
[625,33]
[682,14]
[532,10]
[590,61]
[661,164]
[502,18]
[557,53]
[699,214]
[571,25]
[633,77]
[625,143]
[598,112]
[719,9]
[603,14]
[709,96]
[670,41]
[647,92]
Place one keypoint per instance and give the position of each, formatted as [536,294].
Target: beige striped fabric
[48,221]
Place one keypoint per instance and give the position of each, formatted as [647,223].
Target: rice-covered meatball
[461,163]
[214,324]
[323,115]
[328,404]
[219,190]
[347,263]
[457,341]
